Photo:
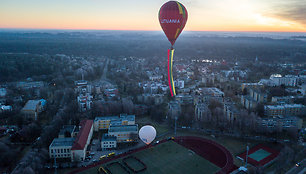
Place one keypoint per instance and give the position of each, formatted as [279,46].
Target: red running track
[210,150]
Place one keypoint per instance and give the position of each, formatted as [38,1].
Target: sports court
[260,155]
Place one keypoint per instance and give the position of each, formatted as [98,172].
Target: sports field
[259,155]
[168,157]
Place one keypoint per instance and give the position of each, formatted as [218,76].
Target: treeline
[149,45]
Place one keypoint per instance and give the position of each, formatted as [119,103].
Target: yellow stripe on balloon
[172,83]
[177,32]
[180,8]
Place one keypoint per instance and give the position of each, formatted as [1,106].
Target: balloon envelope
[172,18]
[147,134]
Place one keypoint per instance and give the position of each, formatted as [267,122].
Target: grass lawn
[170,157]
[160,128]
[134,164]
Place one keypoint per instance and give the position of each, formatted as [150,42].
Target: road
[298,170]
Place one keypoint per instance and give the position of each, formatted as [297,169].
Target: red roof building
[82,140]
[82,137]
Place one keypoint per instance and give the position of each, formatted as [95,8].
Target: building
[202,112]
[282,100]
[179,83]
[174,109]
[4,108]
[67,131]
[258,96]
[82,140]
[84,102]
[231,112]
[61,148]
[33,107]
[108,142]
[124,133]
[103,123]
[248,85]
[274,110]
[284,110]
[288,80]
[280,124]
[213,93]
[82,86]
[111,92]
[294,109]
[184,98]
[29,85]
[3,92]
[248,102]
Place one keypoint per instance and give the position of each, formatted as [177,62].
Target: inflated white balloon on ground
[147,134]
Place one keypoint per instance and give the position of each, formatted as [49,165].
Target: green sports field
[168,157]
[259,155]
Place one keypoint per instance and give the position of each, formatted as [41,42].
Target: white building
[108,142]
[61,148]
[85,101]
[288,80]
[4,108]
[179,83]
[124,133]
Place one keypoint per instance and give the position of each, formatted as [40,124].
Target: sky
[203,15]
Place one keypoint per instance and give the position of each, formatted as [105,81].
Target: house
[124,133]
[82,140]
[108,142]
[33,107]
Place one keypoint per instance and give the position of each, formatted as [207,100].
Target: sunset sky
[204,15]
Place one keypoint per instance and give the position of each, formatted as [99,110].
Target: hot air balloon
[172,18]
[147,134]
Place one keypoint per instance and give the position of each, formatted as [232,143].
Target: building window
[65,150]
[61,150]
[51,150]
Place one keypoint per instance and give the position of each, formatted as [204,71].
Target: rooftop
[83,134]
[117,118]
[106,137]
[67,128]
[31,105]
[123,128]
[62,142]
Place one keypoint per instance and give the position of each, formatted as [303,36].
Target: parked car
[111,154]
[102,157]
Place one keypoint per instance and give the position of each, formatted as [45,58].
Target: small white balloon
[147,134]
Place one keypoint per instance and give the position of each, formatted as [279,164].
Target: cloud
[293,10]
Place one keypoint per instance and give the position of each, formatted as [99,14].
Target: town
[88,108]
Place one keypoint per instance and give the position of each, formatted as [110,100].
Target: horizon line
[73,29]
